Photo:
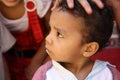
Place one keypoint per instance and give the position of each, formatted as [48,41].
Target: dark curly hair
[98,25]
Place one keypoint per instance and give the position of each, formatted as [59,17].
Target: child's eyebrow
[58,28]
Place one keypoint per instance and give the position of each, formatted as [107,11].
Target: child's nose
[48,39]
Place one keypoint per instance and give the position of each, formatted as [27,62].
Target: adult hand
[115,4]
[29,72]
[84,4]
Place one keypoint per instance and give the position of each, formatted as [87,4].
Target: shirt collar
[66,74]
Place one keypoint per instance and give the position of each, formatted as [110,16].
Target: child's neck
[15,12]
[80,70]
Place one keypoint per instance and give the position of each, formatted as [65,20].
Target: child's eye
[59,35]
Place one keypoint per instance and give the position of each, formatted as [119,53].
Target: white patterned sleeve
[43,6]
[6,39]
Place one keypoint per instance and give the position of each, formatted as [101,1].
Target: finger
[55,4]
[99,3]
[86,6]
[70,3]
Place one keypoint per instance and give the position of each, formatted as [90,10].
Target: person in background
[73,38]
[6,42]
[27,21]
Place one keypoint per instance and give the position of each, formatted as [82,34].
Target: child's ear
[90,49]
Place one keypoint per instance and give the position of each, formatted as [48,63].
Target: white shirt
[100,71]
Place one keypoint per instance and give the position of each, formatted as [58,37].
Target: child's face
[10,3]
[64,40]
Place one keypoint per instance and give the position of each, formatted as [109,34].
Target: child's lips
[48,50]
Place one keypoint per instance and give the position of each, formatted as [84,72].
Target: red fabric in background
[17,67]
[111,55]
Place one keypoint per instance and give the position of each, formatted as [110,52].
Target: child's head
[75,34]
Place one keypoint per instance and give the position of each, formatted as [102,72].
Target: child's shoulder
[102,68]
[110,68]
[41,72]
[115,72]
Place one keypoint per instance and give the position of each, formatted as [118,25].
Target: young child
[6,42]
[111,52]
[25,19]
[74,37]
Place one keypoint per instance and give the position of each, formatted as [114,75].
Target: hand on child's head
[84,3]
